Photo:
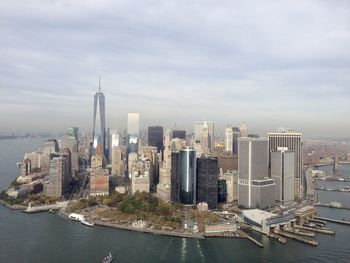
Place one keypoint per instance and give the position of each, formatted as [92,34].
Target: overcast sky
[269,63]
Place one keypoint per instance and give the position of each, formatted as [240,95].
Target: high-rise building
[155,137]
[282,171]
[207,181]
[181,134]
[70,141]
[198,133]
[59,175]
[187,176]
[174,177]
[244,130]
[231,178]
[99,125]
[231,139]
[114,141]
[293,141]
[117,161]
[255,189]
[205,139]
[134,124]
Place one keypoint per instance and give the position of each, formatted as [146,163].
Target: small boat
[108,258]
[87,223]
[51,211]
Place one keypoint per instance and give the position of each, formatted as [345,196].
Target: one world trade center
[99,130]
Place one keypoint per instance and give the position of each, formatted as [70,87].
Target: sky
[269,64]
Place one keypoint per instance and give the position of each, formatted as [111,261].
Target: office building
[207,181]
[155,137]
[99,184]
[231,140]
[243,130]
[99,121]
[117,161]
[227,163]
[58,176]
[293,141]
[255,189]
[282,171]
[174,173]
[198,133]
[187,176]
[134,124]
[70,141]
[205,139]
[181,134]
[231,178]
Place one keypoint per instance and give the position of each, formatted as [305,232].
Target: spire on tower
[99,84]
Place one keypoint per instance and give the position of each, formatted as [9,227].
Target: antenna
[99,83]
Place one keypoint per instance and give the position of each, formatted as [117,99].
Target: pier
[334,220]
[319,230]
[296,237]
[332,206]
[42,208]
[243,234]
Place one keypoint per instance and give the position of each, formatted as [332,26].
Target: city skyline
[267,64]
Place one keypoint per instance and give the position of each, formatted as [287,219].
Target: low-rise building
[264,221]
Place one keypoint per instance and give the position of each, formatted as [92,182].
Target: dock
[334,220]
[42,208]
[250,238]
[296,237]
[319,230]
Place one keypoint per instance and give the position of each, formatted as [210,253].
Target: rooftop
[257,215]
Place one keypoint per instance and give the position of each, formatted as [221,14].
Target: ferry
[87,223]
[108,258]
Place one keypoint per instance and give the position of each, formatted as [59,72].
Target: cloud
[269,63]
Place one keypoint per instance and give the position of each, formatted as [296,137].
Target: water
[46,237]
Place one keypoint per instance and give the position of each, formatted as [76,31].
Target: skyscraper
[255,189]
[293,141]
[174,177]
[231,139]
[99,125]
[155,137]
[207,181]
[134,124]
[244,130]
[282,171]
[187,176]
[198,130]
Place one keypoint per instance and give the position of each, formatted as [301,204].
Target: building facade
[99,122]
[253,174]
[282,171]
[155,137]
[293,141]
[207,181]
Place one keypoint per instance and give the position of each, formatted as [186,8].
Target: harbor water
[46,237]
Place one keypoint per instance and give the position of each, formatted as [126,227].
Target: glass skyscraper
[99,126]
[187,176]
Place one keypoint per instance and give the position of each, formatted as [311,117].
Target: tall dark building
[187,176]
[99,125]
[155,137]
[207,181]
[181,134]
[235,135]
[174,180]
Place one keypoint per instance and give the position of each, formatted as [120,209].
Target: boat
[87,223]
[108,258]
[51,211]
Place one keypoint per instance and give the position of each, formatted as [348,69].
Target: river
[46,237]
